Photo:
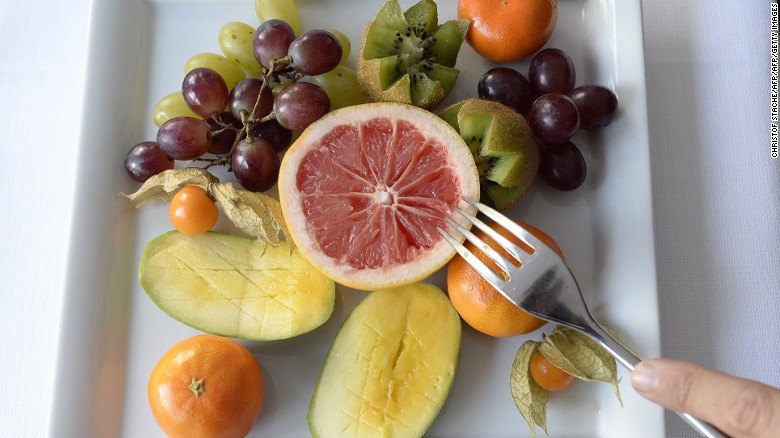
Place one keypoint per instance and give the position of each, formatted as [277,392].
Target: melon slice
[390,367]
[235,286]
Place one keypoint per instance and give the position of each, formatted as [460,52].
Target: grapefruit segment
[364,189]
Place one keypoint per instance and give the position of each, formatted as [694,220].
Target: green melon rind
[419,291]
[157,288]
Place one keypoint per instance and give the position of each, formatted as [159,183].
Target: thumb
[738,407]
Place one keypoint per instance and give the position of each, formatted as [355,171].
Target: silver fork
[543,286]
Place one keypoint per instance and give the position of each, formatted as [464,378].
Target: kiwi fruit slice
[504,148]
[408,57]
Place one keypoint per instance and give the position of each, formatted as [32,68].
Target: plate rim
[61,415]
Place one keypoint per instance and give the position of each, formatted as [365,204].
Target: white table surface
[715,188]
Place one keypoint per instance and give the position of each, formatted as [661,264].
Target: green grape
[284,10]
[170,106]
[227,68]
[236,40]
[346,46]
[341,85]
[278,87]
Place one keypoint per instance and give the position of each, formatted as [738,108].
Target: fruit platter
[125,310]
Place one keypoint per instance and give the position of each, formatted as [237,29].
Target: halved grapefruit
[364,188]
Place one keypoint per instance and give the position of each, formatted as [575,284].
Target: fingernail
[644,378]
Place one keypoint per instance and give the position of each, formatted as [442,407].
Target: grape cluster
[555,111]
[243,122]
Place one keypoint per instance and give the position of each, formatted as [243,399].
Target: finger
[738,407]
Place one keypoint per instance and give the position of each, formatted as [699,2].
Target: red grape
[300,104]
[279,136]
[562,166]
[145,160]
[205,91]
[244,97]
[222,133]
[554,118]
[255,164]
[272,40]
[508,86]
[184,138]
[596,104]
[315,52]
[551,71]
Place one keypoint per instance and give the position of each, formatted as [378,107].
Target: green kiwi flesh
[408,57]
[505,150]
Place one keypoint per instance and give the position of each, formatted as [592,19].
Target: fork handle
[630,360]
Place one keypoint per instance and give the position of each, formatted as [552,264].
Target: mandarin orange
[479,303]
[206,386]
[507,30]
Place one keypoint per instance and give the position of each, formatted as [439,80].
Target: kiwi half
[407,57]
[504,148]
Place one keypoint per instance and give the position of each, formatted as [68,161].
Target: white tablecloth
[715,188]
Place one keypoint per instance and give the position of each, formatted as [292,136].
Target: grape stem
[220,131]
[225,126]
[266,78]
[247,120]
[219,161]
[270,116]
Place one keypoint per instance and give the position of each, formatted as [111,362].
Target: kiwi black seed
[408,57]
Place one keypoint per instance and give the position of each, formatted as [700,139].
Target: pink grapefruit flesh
[365,188]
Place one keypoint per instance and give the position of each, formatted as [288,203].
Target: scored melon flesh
[391,366]
[235,286]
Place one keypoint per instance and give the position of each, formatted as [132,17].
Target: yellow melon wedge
[235,286]
[390,367]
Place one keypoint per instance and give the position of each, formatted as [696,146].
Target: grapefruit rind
[384,277]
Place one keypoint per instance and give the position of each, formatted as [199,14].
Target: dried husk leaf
[164,185]
[530,398]
[622,341]
[254,213]
[580,356]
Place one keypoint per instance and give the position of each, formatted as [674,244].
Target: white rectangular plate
[112,335]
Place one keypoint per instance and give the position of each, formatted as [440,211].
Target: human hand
[738,407]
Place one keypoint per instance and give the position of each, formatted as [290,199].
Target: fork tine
[472,260]
[516,251]
[549,291]
[507,223]
[482,246]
